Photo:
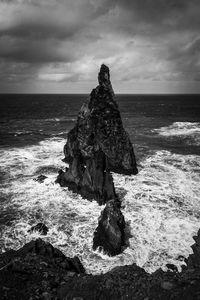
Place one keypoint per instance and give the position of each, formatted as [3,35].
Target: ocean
[161,204]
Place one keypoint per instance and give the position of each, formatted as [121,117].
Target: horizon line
[136,94]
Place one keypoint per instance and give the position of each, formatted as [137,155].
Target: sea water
[161,204]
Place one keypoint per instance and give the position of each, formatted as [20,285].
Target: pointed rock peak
[104,75]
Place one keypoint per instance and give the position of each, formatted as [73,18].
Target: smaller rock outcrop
[109,235]
[41,178]
[40,227]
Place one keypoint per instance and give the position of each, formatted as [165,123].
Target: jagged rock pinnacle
[97,145]
[104,75]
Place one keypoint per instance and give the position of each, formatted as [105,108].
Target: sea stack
[110,233]
[97,145]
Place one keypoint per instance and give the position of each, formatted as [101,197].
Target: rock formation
[97,145]
[132,282]
[40,227]
[194,259]
[41,178]
[109,234]
[35,271]
[40,271]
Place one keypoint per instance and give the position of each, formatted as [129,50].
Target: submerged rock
[41,178]
[40,227]
[97,145]
[109,234]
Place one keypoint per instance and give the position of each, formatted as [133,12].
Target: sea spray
[189,132]
[160,205]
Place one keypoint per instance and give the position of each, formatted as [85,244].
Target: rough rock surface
[194,259]
[97,145]
[39,271]
[35,271]
[132,282]
[41,178]
[40,227]
[109,234]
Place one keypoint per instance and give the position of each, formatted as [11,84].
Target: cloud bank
[58,46]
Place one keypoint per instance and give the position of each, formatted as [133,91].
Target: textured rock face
[35,271]
[40,271]
[42,249]
[109,234]
[194,259]
[97,145]
[40,227]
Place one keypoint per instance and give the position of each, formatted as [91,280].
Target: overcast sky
[57,46]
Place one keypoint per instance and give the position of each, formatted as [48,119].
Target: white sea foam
[63,119]
[161,207]
[25,161]
[187,130]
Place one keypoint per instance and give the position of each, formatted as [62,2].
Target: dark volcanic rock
[40,227]
[40,271]
[35,269]
[41,178]
[109,234]
[194,259]
[172,267]
[97,145]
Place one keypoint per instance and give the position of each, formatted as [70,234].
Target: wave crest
[184,130]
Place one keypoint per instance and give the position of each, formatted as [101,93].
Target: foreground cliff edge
[40,271]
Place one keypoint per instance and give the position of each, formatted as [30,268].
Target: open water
[161,204]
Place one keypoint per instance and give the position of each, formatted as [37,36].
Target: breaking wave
[63,119]
[184,130]
[160,205]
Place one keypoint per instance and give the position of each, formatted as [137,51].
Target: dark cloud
[53,19]
[139,39]
[31,51]
[170,13]
[40,29]
[186,60]
[37,29]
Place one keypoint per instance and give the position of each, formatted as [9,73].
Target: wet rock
[41,178]
[181,258]
[166,285]
[40,227]
[35,269]
[35,272]
[109,234]
[193,260]
[47,296]
[97,145]
[172,267]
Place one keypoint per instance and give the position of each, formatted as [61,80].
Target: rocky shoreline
[40,271]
